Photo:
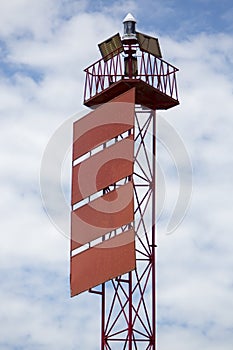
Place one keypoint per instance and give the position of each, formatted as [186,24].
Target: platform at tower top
[154,82]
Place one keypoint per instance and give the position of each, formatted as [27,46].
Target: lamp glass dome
[129,26]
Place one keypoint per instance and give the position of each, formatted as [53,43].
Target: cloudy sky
[44,47]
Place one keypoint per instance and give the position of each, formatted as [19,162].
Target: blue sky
[44,47]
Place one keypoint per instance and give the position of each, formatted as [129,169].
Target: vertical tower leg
[153,254]
[103,317]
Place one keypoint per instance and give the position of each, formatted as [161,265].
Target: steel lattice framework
[128,302]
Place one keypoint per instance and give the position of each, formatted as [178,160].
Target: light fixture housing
[129,27]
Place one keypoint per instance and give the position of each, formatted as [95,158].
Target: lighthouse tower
[113,236]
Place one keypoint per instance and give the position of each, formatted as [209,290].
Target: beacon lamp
[129,28]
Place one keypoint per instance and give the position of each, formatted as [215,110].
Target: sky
[44,47]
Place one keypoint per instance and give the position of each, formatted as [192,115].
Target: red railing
[150,69]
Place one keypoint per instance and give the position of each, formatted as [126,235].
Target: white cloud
[27,17]
[195,283]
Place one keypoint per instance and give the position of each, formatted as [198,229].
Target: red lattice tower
[113,186]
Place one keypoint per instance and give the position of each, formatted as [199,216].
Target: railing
[150,69]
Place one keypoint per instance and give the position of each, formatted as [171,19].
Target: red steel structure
[113,239]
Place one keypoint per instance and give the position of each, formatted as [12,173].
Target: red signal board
[102,218]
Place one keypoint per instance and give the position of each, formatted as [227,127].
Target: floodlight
[111,47]
[149,44]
